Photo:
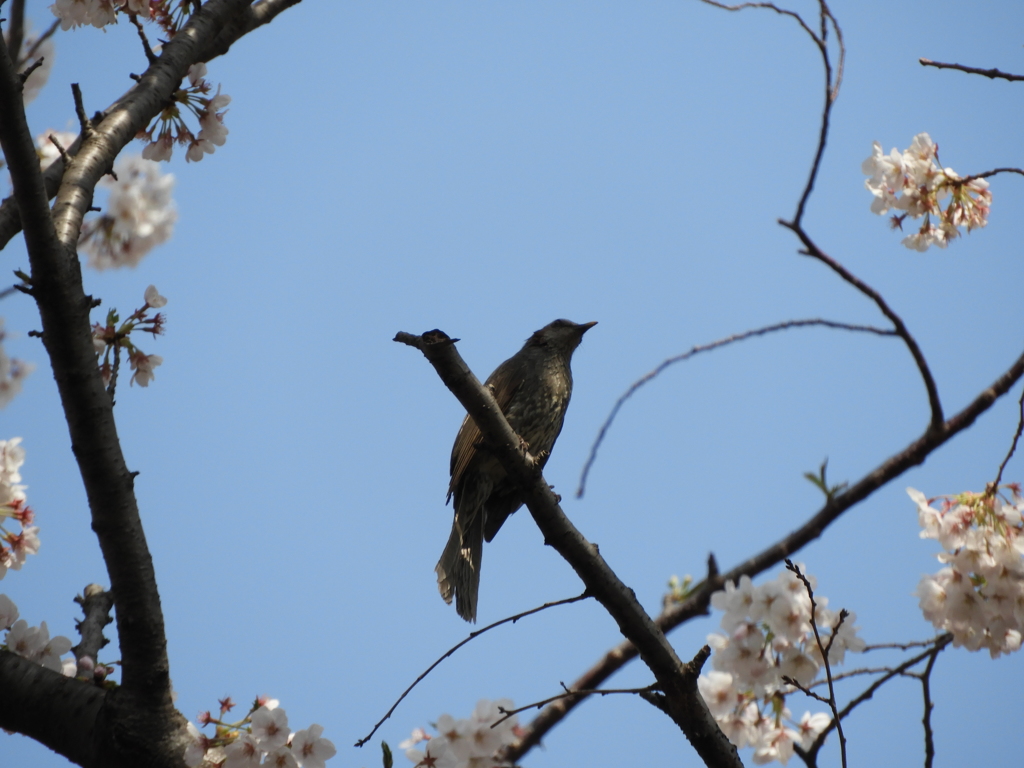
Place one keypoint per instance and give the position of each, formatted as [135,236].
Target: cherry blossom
[8,612]
[153,298]
[139,215]
[270,727]
[13,508]
[978,595]
[143,366]
[311,750]
[769,636]
[261,737]
[169,127]
[98,13]
[244,752]
[915,183]
[465,743]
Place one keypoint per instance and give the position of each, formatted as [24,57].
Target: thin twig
[940,642]
[926,720]
[832,80]
[151,57]
[37,42]
[60,148]
[805,690]
[791,566]
[25,75]
[1013,445]
[989,73]
[454,648]
[706,348]
[112,387]
[770,7]
[993,172]
[811,249]
[8,291]
[852,673]
[83,119]
[568,693]
[900,646]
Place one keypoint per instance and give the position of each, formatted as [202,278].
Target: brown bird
[532,388]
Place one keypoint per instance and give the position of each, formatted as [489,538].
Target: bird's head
[563,335]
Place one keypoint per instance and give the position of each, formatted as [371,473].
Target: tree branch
[59,712]
[940,642]
[762,331]
[16,31]
[136,723]
[811,249]
[200,40]
[677,680]
[697,603]
[989,73]
[96,605]
[472,636]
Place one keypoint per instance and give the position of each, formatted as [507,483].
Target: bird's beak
[584,327]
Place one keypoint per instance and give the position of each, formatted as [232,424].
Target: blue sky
[485,170]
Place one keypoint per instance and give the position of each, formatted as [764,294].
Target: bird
[532,388]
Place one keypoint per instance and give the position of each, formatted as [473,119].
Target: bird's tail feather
[458,570]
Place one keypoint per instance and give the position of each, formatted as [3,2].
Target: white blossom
[143,366]
[153,298]
[311,750]
[770,636]
[8,612]
[270,727]
[915,183]
[978,595]
[139,215]
[244,752]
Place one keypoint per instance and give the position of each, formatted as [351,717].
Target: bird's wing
[503,383]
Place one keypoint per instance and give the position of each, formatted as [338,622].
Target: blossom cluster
[34,643]
[769,636]
[913,182]
[12,374]
[979,595]
[261,738]
[98,13]
[14,547]
[140,215]
[109,338]
[169,128]
[469,743]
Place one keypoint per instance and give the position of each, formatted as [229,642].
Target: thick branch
[133,111]
[676,680]
[59,712]
[137,724]
[22,161]
[16,30]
